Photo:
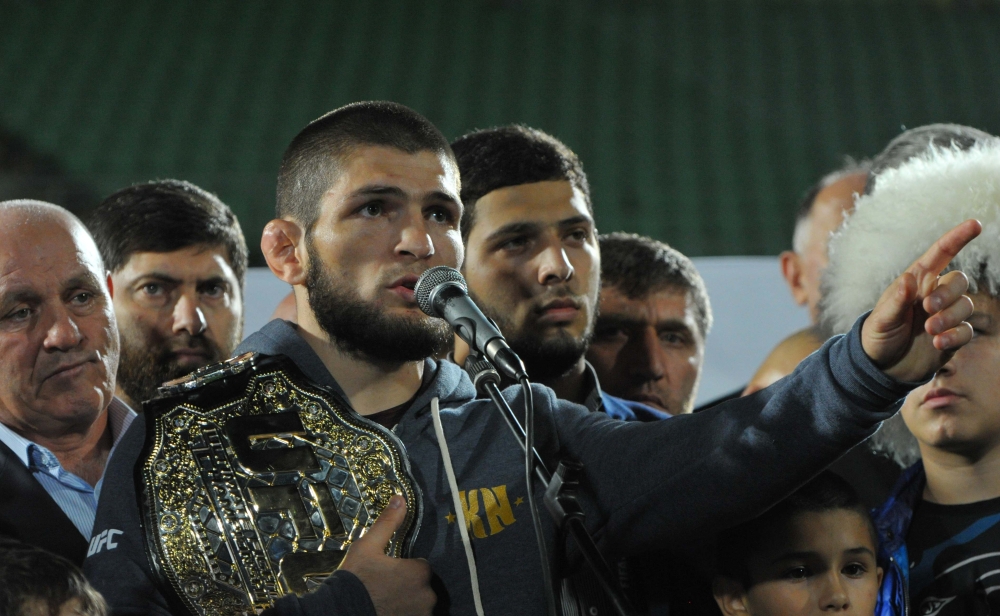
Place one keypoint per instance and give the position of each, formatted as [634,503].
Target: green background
[700,122]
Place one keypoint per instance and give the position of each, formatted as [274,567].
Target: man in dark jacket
[367,200]
[59,420]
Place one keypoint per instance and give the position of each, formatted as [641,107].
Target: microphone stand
[560,489]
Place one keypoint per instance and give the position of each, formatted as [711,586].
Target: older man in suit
[59,420]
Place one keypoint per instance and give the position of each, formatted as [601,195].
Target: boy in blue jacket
[940,537]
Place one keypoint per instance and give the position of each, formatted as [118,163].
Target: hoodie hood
[448,382]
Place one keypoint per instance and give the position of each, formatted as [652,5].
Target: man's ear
[880,573]
[284,250]
[791,269]
[111,286]
[730,595]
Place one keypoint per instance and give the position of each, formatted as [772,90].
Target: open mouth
[404,286]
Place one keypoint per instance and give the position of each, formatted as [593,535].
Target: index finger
[379,533]
[946,248]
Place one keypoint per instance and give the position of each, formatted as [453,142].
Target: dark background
[700,122]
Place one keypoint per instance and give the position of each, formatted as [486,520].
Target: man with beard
[368,199]
[59,421]
[533,263]
[178,262]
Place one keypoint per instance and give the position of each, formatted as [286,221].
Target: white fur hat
[910,208]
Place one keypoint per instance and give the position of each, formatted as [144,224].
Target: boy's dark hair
[29,574]
[826,492]
[512,155]
[638,266]
[917,140]
[311,162]
[164,216]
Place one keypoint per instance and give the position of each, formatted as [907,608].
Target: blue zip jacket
[892,523]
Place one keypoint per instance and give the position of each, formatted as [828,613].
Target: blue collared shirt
[76,497]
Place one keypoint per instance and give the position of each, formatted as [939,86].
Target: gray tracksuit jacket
[646,485]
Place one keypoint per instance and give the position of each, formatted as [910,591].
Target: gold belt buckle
[254,481]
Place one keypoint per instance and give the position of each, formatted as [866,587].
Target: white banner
[753,312]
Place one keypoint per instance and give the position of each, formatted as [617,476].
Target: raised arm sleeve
[651,484]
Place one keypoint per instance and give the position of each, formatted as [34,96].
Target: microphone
[441,292]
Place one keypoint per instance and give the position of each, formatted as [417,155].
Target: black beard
[545,358]
[549,358]
[143,367]
[363,330]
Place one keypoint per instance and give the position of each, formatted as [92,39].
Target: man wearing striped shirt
[59,420]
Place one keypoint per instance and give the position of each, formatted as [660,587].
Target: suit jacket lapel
[29,514]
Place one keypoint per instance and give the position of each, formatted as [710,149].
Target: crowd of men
[96,315]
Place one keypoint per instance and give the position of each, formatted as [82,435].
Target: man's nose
[415,241]
[554,266]
[834,596]
[64,334]
[647,356]
[188,316]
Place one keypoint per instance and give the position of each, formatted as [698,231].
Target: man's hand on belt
[397,586]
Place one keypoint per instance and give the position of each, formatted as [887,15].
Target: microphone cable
[529,477]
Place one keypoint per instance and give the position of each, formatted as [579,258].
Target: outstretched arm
[653,484]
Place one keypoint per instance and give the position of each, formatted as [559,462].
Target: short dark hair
[512,155]
[312,160]
[29,574]
[638,266]
[805,207]
[164,216]
[826,492]
[917,140]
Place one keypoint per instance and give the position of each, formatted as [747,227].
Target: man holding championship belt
[368,201]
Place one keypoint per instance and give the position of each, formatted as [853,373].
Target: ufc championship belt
[254,481]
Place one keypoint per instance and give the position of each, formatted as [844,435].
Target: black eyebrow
[569,222]
[671,324]
[860,550]
[157,276]
[515,228]
[616,320]
[805,555]
[378,190]
[86,279]
[794,556]
[212,280]
[18,295]
[440,195]
[381,190]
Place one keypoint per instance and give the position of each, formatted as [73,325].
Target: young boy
[34,582]
[939,530]
[812,553]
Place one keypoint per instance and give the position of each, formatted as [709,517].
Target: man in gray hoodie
[367,201]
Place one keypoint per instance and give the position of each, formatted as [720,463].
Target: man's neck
[570,386]
[957,479]
[370,387]
[81,450]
